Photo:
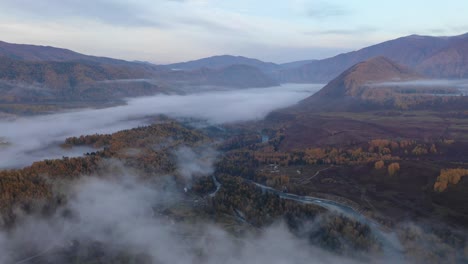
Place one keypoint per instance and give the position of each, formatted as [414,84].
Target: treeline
[416,98]
[141,137]
[96,141]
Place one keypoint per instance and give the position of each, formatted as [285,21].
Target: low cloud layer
[28,139]
[192,164]
[125,214]
[461,84]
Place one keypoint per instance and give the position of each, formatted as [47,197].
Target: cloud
[323,10]
[166,14]
[458,83]
[449,30]
[461,84]
[195,163]
[355,31]
[208,24]
[37,138]
[121,13]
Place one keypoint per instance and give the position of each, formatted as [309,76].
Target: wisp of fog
[460,84]
[27,139]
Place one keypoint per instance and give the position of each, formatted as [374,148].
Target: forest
[149,151]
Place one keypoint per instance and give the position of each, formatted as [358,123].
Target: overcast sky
[163,31]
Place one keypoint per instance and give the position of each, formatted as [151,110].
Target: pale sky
[163,31]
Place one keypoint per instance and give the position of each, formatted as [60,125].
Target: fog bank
[124,214]
[27,136]
[461,85]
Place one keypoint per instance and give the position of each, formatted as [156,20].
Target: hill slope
[25,52]
[35,81]
[39,81]
[450,62]
[356,80]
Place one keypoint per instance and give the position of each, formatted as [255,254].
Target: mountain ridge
[29,52]
[221,61]
[413,51]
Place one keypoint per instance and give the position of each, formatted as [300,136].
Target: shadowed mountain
[450,62]
[30,73]
[26,81]
[33,81]
[237,75]
[295,64]
[440,57]
[217,62]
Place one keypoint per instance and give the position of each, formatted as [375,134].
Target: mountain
[358,79]
[236,76]
[376,83]
[239,75]
[39,81]
[450,62]
[30,81]
[440,57]
[295,64]
[31,73]
[217,62]
[437,57]
[380,83]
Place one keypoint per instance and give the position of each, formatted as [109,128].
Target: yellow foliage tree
[393,168]
[449,176]
[379,165]
[433,149]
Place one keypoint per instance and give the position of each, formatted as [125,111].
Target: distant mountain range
[31,73]
[61,73]
[437,57]
[235,75]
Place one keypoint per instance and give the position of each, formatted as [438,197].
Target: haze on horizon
[164,31]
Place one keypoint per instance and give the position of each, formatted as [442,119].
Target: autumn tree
[449,176]
[433,149]
[393,168]
[379,165]
[419,150]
